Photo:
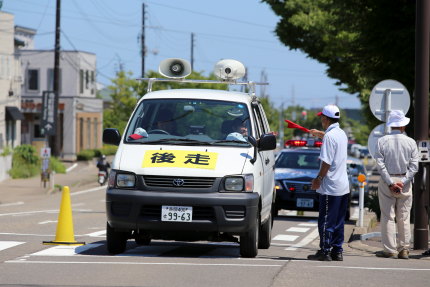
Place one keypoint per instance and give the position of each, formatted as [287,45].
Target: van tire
[265,236]
[249,240]
[116,241]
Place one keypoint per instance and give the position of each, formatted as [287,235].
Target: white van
[193,164]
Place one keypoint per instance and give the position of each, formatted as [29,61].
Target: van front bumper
[234,213]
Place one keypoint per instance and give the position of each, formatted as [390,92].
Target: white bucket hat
[397,119]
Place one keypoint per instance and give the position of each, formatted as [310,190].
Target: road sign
[49,113]
[386,96]
[372,141]
[45,152]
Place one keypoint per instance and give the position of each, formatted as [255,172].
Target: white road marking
[23,213]
[308,224]
[48,221]
[305,241]
[12,204]
[283,237]
[71,168]
[97,233]
[377,268]
[66,250]
[88,190]
[8,244]
[355,214]
[144,263]
[297,229]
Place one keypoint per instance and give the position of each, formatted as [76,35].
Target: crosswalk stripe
[8,244]
[66,250]
[298,229]
[284,237]
[305,241]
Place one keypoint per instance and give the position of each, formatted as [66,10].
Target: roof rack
[250,84]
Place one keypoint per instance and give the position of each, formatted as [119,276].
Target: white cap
[331,111]
[397,119]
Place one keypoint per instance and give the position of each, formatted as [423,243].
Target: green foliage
[126,91]
[6,151]
[371,201]
[361,41]
[86,154]
[25,162]
[56,165]
[106,150]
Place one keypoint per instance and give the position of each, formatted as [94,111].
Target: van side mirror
[267,142]
[111,136]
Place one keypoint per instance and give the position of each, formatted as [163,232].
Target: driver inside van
[239,131]
[165,122]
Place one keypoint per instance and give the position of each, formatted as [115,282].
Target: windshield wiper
[230,141]
[189,141]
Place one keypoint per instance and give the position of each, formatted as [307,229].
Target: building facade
[10,85]
[80,112]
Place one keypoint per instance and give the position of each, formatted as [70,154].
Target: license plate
[176,213]
[305,202]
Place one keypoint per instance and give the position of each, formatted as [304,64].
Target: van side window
[259,120]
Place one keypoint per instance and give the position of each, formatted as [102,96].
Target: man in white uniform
[397,160]
[333,186]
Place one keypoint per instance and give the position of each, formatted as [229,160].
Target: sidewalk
[83,174]
[368,238]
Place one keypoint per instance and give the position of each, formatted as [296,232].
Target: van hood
[171,160]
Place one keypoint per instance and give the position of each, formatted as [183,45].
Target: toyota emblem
[178,182]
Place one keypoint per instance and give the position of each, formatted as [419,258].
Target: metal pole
[56,138]
[387,108]
[361,205]
[142,41]
[421,118]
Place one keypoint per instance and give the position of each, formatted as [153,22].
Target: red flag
[292,125]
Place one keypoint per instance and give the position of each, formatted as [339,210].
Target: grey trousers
[396,206]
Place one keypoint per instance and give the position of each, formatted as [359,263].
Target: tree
[126,92]
[361,41]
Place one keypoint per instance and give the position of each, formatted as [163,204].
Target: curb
[363,233]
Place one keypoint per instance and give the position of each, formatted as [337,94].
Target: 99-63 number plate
[176,213]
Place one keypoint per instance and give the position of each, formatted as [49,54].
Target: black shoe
[336,256]
[320,256]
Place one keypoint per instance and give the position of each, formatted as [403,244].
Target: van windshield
[190,122]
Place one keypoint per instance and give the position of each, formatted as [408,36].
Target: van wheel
[249,241]
[116,241]
[265,235]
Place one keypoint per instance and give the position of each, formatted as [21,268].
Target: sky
[224,29]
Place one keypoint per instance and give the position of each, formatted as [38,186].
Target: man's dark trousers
[331,220]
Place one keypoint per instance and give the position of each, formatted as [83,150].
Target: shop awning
[13,114]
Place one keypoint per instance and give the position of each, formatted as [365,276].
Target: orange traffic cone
[65,235]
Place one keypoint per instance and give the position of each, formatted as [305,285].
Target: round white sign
[398,98]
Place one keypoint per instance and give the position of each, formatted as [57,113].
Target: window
[89,133]
[87,79]
[92,83]
[81,81]
[32,80]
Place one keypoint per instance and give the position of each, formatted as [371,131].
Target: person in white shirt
[397,161]
[333,186]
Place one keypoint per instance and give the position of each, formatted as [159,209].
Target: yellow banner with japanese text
[180,158]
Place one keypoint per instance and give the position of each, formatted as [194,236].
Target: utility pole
[192,51]
[56,139]
[142,41]
[421,121]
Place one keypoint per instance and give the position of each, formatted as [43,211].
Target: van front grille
[178,182]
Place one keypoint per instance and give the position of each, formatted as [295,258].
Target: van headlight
[125,180]
[240,183]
